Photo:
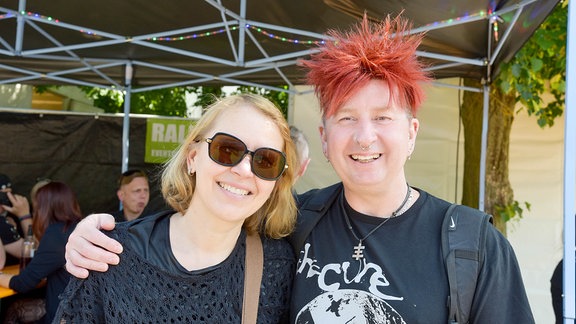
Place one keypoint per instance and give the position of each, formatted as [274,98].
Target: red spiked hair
[384,51]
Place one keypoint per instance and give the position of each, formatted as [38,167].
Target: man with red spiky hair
[374,255]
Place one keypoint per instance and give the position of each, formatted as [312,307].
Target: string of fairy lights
[494,20]
[30,14]
[233,28]
[465,17]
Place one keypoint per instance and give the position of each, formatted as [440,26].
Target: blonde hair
[39,184]
[276,218]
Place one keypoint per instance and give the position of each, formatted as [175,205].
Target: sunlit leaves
[540,67]
[163,102]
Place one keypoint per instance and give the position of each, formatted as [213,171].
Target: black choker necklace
[358,249]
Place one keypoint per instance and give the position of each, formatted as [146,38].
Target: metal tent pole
[483,146]
[570,170]
[126,121]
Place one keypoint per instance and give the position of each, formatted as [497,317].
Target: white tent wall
[536,174]
[15,96]
[536,159]
[21,96]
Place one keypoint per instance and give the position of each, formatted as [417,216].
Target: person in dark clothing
[557,292]
[10,242]
[56,213]
[15,218]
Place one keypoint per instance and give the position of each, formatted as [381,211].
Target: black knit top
[147,287]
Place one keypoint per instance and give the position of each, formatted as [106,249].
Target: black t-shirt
[333,287]
[150,238]
[402,278]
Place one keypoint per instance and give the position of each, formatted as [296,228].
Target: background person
[227,180]
[40,182]
[56,213]
[557,292]
[13,206]
[133,194]
[14,214]
[302,150]
[11,244]
[9,236]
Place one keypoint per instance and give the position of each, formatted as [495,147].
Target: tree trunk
[501,115]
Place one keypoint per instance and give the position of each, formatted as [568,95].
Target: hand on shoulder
[90,249]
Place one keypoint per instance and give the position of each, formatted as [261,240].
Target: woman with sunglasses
[231,177]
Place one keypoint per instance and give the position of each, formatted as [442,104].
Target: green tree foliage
[43,88]
[279,98]
[207,95]
[540,67]
[171,101]
[110,100]
[163,102]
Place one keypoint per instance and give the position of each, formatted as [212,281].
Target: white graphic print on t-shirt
[342,301]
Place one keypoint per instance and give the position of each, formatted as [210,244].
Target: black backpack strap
[463,238]
[312,205]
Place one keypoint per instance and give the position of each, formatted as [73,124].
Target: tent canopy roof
[250,42]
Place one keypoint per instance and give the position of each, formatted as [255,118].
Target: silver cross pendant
[358,251]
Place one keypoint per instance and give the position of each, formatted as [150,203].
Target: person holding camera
[14,218]
[14,206]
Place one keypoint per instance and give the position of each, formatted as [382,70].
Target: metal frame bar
[570,171]
[238,50]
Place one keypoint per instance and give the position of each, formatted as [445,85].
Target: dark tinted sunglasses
[266,163]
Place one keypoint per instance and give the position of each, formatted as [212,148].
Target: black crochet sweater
[138,291]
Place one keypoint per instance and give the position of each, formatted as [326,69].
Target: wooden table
[12,269]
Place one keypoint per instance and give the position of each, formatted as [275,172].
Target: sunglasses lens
[268,163]
[226,150]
